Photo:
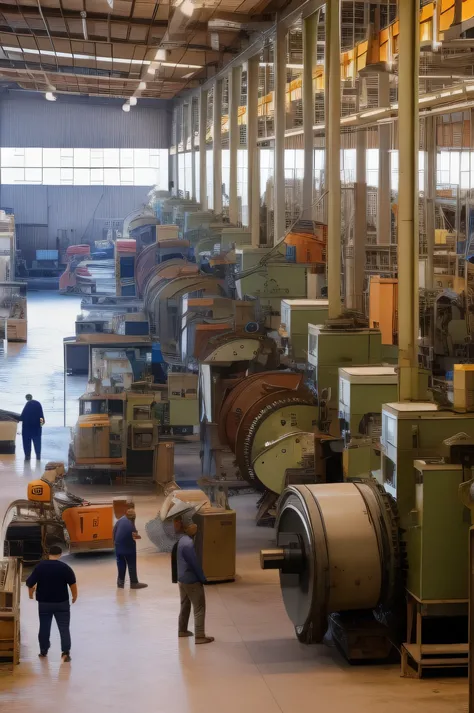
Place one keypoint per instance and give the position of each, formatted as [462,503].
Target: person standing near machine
[32,418]
[125,537]
[190,577]
[51,579]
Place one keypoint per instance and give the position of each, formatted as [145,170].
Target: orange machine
[383,307]
[53,515]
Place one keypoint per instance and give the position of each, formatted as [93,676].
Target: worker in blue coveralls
[32,418]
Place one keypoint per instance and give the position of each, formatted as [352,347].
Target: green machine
[295,317]
[332,347]
[413,431]
[262,273]
[362,391]
[437,536]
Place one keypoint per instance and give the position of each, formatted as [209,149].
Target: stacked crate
[10,583]
[125,254]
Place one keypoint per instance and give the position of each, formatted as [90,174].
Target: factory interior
[237,274]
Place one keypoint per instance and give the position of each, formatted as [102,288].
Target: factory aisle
[37,366]
[127,657]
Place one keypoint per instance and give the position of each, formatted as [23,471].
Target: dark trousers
[124,562]
[28,435]
[62,613]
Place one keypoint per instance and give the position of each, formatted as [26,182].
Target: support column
[280,118]
[192,149]
[217,146]
[384,209]
[408,313]
[310,35]
[430,193]
[253,170]
[333,153]
[202,148]
[235,80]
[355,265]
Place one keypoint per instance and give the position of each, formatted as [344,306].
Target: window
[84,167]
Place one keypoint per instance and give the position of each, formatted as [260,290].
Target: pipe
[202,148]
[430,193]
[310,30]
[408,202]
[253,172]
[235,79]
[333,153]
[217,146]
[280,119]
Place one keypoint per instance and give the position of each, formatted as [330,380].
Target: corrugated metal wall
[29,121]
[43,212]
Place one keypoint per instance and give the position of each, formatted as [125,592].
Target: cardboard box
[163,463]
[215,543]
[182,386]
[16,330]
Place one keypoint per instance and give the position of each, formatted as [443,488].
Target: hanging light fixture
[126,107]
[133,101]
[49,96]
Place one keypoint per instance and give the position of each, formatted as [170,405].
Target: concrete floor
[126,655]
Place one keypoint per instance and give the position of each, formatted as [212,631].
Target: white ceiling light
[186,7]
[161,55]
[152,68]
[119,60]
[49,96]
[84,24]
[142,86]
[126,107]
[133,101]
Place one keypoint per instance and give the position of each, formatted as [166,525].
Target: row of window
[84,167]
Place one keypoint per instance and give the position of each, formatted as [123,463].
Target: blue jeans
[62,613]
[28,435]
[124,561]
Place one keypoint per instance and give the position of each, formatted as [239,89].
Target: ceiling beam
[25,11]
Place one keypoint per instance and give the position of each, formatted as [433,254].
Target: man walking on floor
[32,418]
[191,579]
[51,579]
[125,537]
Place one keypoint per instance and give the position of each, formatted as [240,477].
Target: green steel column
[333,153]
[408,312]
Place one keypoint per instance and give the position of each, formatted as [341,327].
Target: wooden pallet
[10,584]
[417,656]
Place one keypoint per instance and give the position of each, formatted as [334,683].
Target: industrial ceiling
[123,48]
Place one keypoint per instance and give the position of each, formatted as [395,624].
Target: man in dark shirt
[125,536]
[191,579]
[32,418]
[51,579]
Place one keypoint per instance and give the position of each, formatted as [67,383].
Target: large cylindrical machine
[324,570]
[269,410]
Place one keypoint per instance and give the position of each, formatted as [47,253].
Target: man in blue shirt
[125,537]
[32,418]
[51,579]
[191,579]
